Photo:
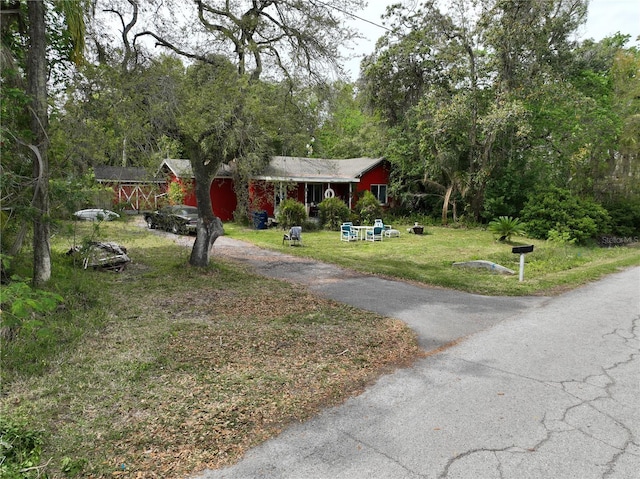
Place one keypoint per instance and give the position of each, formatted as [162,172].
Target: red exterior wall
[261,196]
[223,197]
[189,190]
[377,176]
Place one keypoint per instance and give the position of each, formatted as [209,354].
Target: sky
[605,18]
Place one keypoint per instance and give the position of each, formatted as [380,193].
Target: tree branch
[161,42]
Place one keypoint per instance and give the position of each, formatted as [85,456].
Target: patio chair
[347,233]
[375,234]
[390,232]
[294,236]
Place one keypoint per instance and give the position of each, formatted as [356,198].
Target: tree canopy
[479,106]
[474,93]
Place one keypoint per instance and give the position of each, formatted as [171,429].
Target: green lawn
[429,258]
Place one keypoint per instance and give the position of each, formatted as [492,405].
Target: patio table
[362,231]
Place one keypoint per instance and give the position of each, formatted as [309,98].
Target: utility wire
[355,16]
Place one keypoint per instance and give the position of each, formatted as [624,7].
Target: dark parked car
[178,219]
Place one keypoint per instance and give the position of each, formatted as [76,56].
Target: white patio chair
[347,233]
[294,236]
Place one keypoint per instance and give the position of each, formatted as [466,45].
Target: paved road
[538,388]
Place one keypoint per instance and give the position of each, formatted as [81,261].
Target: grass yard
[164,370]
[428,258]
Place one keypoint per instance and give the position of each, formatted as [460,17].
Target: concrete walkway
[538,388]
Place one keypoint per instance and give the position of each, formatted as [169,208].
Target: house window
[314,193]
[380,192]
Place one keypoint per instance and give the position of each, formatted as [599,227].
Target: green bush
[625,217]
[333,212]
[368,208]
[291,213]
[176,193]
[505,227]
[558,209]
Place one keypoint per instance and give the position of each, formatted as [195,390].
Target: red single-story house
[311,180]
[135,188]
[308,180]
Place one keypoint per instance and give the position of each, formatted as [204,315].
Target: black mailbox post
[522,250]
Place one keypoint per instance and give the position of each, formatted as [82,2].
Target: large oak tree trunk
[209,226]
[37,89]
[445,205]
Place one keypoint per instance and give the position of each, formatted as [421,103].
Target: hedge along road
[513,388]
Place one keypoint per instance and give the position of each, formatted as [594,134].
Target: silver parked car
[96,214]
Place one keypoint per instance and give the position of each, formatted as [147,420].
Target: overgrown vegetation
[560,210]
[625,217]
[24,309]
[163,370]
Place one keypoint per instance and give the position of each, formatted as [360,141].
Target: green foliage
[559,209]
[20,449]
[368,208]
[508,190]
[72,193]
[505,227]
[349,131]
[110,114]
[175,193]
[23,308]
[72,467]
[492,127]
[625,217]
[560,238]
[291,213]
[333,212]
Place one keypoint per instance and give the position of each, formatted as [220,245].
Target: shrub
[625,217]
[175,193]
[560,210]
[368,208]
[291,213]
[333,212]
[505,227]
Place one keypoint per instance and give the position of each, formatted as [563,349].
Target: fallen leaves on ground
[189,378]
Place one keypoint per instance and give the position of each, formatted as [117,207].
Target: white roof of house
[291,168]
[320,170]
[182,169]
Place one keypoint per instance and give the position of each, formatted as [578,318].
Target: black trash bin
[260,219]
